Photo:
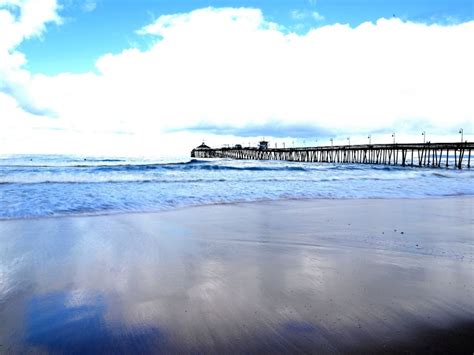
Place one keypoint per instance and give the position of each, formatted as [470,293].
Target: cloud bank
[233,72]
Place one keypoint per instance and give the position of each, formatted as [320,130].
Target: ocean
[47,185]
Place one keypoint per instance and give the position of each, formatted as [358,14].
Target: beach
[288,276]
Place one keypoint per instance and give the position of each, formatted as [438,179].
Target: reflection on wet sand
[286,277]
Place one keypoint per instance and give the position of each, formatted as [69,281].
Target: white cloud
[89,5]
[299,15]
[232,68]
[33,16]
[305,15]
[20,20]
[317,16]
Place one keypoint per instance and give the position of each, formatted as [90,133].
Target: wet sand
[358,276]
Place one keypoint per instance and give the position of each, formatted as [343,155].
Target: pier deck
[457,155]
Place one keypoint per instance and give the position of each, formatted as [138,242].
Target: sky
[156,78]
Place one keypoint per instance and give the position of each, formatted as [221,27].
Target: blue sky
[108,26]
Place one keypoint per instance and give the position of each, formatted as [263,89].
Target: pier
[436,155]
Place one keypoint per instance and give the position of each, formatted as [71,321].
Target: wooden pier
[456,155]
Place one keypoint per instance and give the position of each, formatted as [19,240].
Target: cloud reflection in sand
[168,282]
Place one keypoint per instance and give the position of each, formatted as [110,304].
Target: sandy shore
[291,276]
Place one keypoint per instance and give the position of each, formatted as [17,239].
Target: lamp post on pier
[332,142]
[424,136]
[393,136]
[370,139]
[461,131]
[349,140]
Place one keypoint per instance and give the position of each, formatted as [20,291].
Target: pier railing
[457,155]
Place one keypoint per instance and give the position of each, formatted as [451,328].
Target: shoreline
[332,275]
[262,201]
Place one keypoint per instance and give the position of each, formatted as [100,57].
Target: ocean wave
[459,174]
[106,181]
[144,185]
[142,180]
[105,160]
[194,166]
[170,203]
[87,164]
[441,175]
[140,166]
